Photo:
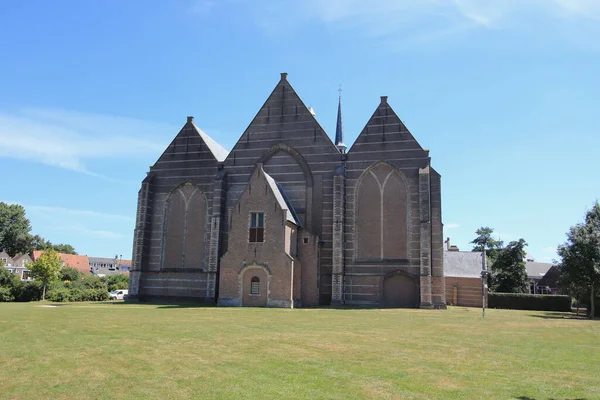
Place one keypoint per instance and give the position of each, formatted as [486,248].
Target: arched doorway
[400,291]
[254,288]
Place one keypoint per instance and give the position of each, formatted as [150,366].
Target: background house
[17,264]
[103,266]
[462,270]
[79,262]
[536,271]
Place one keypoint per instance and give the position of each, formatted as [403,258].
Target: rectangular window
[257,227]
[255,286]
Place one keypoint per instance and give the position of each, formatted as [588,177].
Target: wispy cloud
[61,212]
[76,222]
[72,140]
[414,21]
[451,226]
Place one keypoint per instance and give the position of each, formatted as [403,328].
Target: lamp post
[483,282]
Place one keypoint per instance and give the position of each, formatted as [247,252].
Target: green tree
[14,227]
[8,281]
[580,254]
[117,282]
[15,236]
[485,241]
[64,248]
[508,271]
[70,274]
[46,268]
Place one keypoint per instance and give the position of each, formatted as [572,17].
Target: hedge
[521,301]
[76,294]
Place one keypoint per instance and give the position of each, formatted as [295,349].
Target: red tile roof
[81,263]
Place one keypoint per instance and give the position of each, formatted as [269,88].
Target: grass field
[123,351]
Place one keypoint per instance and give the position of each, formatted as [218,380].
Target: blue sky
[503,93]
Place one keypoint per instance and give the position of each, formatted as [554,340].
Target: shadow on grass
[550,398]
[159,304]
[560,315]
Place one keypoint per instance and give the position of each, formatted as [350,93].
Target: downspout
[343,299]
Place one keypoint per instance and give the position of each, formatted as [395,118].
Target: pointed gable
[274,189]
[192,144]
[283,118]
[282,199]
[385,132]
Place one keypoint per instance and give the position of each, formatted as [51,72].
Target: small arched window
[255,285]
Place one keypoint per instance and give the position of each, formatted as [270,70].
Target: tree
[580,254]
[508,271]
[484,240]
[70,274]
[46,268]
[117,282]
[15,236]
[63,248]
[14,226]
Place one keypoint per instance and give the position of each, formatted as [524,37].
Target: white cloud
[411,21]
[61,212]
[451,226]
[76,222]
[72,140]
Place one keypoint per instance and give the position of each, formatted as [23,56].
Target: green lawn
[123,351]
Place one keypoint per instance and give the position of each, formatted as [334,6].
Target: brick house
[79,262]
[462,270]
[356,227]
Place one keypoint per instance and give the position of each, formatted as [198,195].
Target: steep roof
[284,112]
[385,126]
[215,148]
[462,264]
[4,254]
[79,262]
[22,258]
[536,270]
[282,199]
[192,143]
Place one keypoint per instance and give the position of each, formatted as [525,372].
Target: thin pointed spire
[339,129]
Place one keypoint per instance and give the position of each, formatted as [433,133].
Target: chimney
[447,242]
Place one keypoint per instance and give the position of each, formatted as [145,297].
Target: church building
[290,218]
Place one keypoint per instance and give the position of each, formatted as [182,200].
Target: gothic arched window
[184,229]
[382,214]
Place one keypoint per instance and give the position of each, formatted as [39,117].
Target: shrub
[117,282]
[58,295]
[28,291]
[6,294]
[91,282]
[69,274]
[97,295]
[521,301]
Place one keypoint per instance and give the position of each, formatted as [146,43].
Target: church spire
[339,129]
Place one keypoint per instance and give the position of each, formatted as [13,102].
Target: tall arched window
[185,227]
[381,218]
[255,285]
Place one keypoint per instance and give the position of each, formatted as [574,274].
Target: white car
[118,294]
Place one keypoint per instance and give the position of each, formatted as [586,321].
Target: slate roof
[462,264]
[537,270]
[106,260]
[22,259]
[79,262]
[9,259]
[215,148]
[282,199]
